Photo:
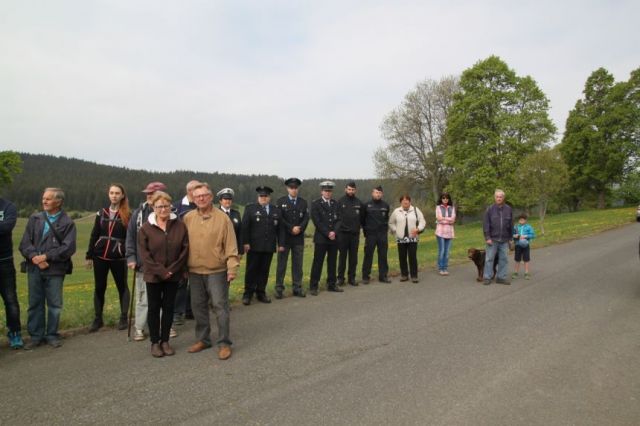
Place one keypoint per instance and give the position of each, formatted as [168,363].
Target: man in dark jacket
[348,233]
[48,243]
[8,218]
[323,215]
[260,224]
[375,224]
[497,227]
[295,218]
[225,198]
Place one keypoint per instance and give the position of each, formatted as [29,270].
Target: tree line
[490,128]
[23,176]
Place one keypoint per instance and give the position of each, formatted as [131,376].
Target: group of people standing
[185,255]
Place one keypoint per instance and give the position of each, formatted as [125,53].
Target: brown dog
[478,256]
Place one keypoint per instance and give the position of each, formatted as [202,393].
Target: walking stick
[133,296]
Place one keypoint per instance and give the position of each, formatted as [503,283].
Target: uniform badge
[235,219]
[275,221]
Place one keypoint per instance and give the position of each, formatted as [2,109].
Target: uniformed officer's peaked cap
[264,190]
[292,181]
[351,184]
[379,188]
[225,193]
[327,185]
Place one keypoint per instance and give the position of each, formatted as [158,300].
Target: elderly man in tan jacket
[213,264]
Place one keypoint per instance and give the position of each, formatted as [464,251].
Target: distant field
[78,287]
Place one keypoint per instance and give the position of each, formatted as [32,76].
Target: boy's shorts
[522,253]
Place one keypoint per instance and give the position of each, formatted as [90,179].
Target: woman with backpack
[445,218]
[107,253]
[406,222]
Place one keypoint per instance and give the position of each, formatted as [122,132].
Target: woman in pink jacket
[445,218]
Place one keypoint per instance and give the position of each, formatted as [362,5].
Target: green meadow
[78,287]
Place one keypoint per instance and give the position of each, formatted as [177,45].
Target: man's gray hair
[203,185]
[192,184]
[58,193]
[499,191]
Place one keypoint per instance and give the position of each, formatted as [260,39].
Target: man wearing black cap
[260,224]
[323,215]
[348,233]
[225,197]
[295,218]
[375,225]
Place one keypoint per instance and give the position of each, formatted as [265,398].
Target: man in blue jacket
[48,243]
[8,218]
[497,227]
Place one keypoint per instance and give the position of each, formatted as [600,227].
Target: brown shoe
[156,351]
[197,347]
[167,349]
[224,352]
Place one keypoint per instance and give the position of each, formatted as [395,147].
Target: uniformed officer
[375,224]
[323,215]
[348,233]
[260,224]
[225,198]
[294,214]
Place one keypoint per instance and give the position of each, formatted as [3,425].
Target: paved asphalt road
[560,349]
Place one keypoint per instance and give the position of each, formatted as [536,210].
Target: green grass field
[78,287]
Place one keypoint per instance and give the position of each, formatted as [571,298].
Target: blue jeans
[8,292]
[444,246]
[44,288]
[503,261]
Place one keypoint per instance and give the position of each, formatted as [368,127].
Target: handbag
[69,269]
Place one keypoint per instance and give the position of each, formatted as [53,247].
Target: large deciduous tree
[496,120]
[601,139]
[416,136]
[541,177]
[10,164]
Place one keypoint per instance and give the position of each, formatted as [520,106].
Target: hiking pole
[133,296]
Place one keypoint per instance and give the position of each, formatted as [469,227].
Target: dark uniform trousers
[297,252]
[372,241]
[348,243]
[257,273]
[319,253]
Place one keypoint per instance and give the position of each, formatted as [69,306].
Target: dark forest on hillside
[85,183]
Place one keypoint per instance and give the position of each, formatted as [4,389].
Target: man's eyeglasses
[201,196]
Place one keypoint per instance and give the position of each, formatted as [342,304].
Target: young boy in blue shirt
[523,233]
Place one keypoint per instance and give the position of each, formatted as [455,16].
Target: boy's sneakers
[138,336]
[526,276]
[15,340]
[515,275]
[173,332]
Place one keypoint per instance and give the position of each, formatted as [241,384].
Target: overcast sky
[292,88]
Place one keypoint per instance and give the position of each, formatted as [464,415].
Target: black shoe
[54,342]
[263,298]
[313,292]
[414,279]
[31,345]
[96,325]
[279,295]
[341,282]
[353,283]
[404,278]
[299,293]
[122,324]
[246,300]
[501,281]
[365,281]
[335,289]
[486,282]
[385,280]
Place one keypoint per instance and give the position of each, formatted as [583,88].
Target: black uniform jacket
[234,215]
[324,218]
[349,215]
[375,217]
[260,230]
[292,215]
